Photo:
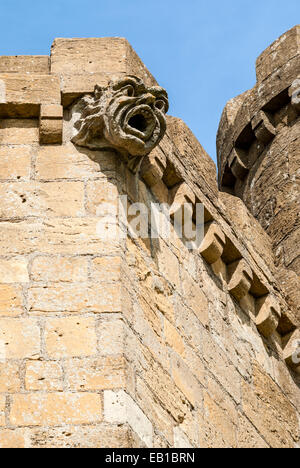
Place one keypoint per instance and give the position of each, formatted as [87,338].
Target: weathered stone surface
[180,196]
[51,124]
[194,158]
[240,278]
[137,342]
[44,375]
[20,337]
[15,163]
[85,63]
[74,298]
[70,337]
[52,199]
[59,269]
[120,408]
[238,163]
[263,128]
[14,270]
[268,315]
[68,162]
[96,374]
[91,436]
[126,116]
[291,351]
[11,300]
[18,132]
[39,64]
[62,236]
[2,410]
[55,409]
[10,381]
[278,418]
[294,93]
[22,95]
[280,52]
[153,167]
[212,246]
[248,436]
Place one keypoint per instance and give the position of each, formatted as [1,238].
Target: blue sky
[202,51]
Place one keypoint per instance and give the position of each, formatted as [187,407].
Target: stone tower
[113,339]
[259,154]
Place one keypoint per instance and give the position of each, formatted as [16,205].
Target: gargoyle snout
[147,99]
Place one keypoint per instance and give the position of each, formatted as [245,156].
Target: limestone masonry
[126,341]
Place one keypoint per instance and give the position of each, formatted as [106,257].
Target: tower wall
[258,148]
[129,341]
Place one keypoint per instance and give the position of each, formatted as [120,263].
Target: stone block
[240,279]
[263,127]
[68,162]
[85,62]
[268,315]
[105,373]
[278,54]
[71,337]
[119,407]
[153,167]
[21,338]
[15,163]
[31,64]
[14,270]
[59,269]
[44,200]
[72,298]
[10,381]
[294,94]
[238,162]
[22,94]
[11,300]
[43,376]
[291,351]
[213,244]
[180,196]
[51,124]
[18,131]
[55,409]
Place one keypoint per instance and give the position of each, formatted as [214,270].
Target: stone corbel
[51,124]
[294,94]
[268,315]
[213,244]
[263,128]
[240,279]
[153,167]
[291,351]
[182,195]
[237,163]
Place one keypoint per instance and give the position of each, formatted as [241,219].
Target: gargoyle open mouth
[140,122]
[126,116]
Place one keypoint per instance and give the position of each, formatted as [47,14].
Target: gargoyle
[126,116]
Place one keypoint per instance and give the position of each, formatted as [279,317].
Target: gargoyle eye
[160,105]
[129,91]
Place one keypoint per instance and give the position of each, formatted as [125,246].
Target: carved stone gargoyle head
[126,116]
